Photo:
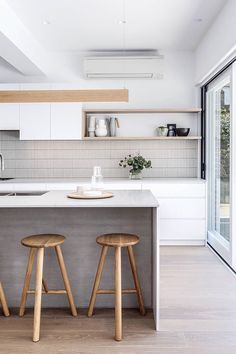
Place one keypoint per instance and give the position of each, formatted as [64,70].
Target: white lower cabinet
[35,121]
[177,229]
[182,212]
[182,208]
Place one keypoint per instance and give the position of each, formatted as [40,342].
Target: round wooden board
[76,195]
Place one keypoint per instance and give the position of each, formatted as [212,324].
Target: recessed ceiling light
[199,19]
[46,22]
[122,22]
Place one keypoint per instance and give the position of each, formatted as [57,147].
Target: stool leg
[4,302]
[66,280]
[27,281]
[136,280]
[38,294]
[97,280]
[118,295]
[45,286]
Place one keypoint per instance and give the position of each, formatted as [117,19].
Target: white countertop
[59,199]
[106,181]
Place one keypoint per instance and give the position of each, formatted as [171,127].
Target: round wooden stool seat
[43,240]
[117,240]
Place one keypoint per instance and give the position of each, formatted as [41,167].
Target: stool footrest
[111,291]
[48,292]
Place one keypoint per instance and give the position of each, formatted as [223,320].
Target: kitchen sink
[23,194]
[5,178]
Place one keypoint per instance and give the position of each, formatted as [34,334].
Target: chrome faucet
[2,162]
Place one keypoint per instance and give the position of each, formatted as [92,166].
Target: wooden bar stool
[37,243]
[3,302]
[117,241]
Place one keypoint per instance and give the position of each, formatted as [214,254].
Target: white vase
[101,129]
[113,126]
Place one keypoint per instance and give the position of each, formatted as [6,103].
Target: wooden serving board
[77,195]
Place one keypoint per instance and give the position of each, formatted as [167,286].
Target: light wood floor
[198,316]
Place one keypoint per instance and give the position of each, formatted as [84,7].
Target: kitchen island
[81,221]
[183,216]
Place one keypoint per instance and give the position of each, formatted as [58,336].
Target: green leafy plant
[225,143]
[136,163]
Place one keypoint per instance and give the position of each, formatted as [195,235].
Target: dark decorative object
[182,131]
[171,129]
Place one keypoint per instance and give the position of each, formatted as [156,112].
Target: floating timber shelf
[169,138]
[157,110]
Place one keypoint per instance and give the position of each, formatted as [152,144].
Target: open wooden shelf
[110,111]
[145,138]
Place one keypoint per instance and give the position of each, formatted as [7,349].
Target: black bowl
[182,131]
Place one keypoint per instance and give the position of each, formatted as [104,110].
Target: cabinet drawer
[182,229]
[182,208]
[177,190]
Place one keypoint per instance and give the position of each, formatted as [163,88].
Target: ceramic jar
[162,131]
[101,128]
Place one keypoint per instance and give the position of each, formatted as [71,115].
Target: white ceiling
[32,51]
[83,25]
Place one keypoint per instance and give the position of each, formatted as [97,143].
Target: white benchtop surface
[121,199]
[106,180]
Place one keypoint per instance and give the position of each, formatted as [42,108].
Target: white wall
[218,41]
[175,90]
[76,159]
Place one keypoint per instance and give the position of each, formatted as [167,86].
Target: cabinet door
[9,116]
[35,121]
[66,120]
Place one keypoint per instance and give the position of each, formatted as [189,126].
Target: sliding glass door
[219,133]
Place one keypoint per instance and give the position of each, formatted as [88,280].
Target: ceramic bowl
[182,131]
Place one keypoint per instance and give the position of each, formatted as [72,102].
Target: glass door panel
[219,164]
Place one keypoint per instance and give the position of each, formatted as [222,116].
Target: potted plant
[136,164]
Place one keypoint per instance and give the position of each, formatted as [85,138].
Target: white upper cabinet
[35,121]
[9,112]
[9,116]
[66,120]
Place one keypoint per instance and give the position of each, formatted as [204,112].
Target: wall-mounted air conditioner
[124,67]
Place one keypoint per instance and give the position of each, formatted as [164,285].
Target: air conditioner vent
[124,67]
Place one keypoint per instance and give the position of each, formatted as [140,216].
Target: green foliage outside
[225,144]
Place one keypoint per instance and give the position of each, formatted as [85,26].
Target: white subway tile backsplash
[24,154]
[24,163]
[9,145]
[67,159]
[62,163]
